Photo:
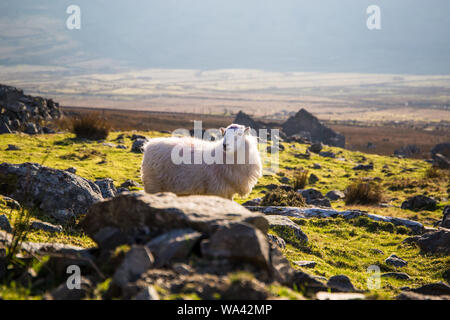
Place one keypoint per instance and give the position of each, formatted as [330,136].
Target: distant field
[385,138]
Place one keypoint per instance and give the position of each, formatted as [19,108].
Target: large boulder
[419,202]
[129,216]
[305,121]
[245,120]
[58,193]
[436,242]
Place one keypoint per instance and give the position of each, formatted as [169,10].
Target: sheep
[191,166]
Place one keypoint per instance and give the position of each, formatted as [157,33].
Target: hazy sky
[280,35]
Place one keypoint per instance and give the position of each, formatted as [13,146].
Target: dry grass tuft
[363,192]
[91,126]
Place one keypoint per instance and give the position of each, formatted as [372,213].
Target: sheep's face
[234,137]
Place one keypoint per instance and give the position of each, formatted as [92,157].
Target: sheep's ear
[222,130]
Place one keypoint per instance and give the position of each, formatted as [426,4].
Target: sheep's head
[234,137]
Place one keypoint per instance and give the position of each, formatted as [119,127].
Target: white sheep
[191,166]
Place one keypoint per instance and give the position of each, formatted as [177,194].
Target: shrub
[300,178]
[280,197]
[91,126]
[363,192]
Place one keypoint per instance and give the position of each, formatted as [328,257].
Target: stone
[433,289]
[419,202]
[4,128]
[121,146]
[365,167]
[72,170]
[136,261]
[446,217]
[134,214]
[281,222]
[12,147]
[182,268]
[245,120]
[327,154]
[253,202]
[317,166]
[130,184]
[440,161]
[315,198]
[63,292]
[305,264]
[437,242]
[147,293]
[175,245]
[339,296]
[395,261]
[303,121]
[285,180]
[61,194]
[313,178]
[442,148]
[416,296]
[340,283]
[4,223]
[396,275]
[238,242]
[277,241]
[316,147]
[138,145]
[31,128]
[307,282]
[137,136]
[107,187]
[45,226]
[335,195]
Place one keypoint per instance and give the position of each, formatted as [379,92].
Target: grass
[90,126]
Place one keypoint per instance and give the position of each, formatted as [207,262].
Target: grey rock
[11,203]
[239,242]
[327,154]
[45,226]
[307,282]
[396,275]
[316,147]
[446,217]
[147,293]
[285,180]
[442,148]
[315,198]
[437,242]
[277,241]
[365,167]
[59,193]
[107,187]
[4,128]
[175,245]
[64,293]
[72,170]
[137,261]
[433,289]
[135,214]
[335,195]
[340,283]
[121,146]
[31,128]
[245,120]
[395,261]
[282,222]
[130,184]
[108,144]
[12,147]
[305,264]
[441,161]
[419,202]
[252,202]
[313,178]
[122,190]
[138,136]
[317,166]
[138,145]
[416,296]
[4,223]
[182,268]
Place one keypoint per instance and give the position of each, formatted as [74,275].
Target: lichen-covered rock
[396,261]
[107,187]
[437,242]
[420,202]
[340,283]
[282,222]
[58,193]
[138,145]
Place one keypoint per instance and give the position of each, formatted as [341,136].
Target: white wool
[161,174]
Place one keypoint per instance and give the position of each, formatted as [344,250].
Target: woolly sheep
[229,166]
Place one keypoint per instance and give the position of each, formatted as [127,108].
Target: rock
[316,147]
[245,120]
[121,146]
[252,202]
[419,202]
[59,193]
[396,275]
[147,293]
[138,145]
[327,154]
[339,296]
[437,242]
[335,195]
[107,187]
[64,293]
[137,136]
[365,167]
[313,178]
[277,241]
[129,215]
[108,144]
[45,226]
[4,128]
[239,242]
[11,203]
[72,170]
[395,261]
[416,296]
[340,283]
[282,222]
[446,217]
[122,190]
[315,198]
[433,289]
[308,283]
[317,166]
[12,147]
[136,261]
[182,268]
[4,223]
[305,264]
[130,184]
[442,148]
[285,180]
[376,251]
[440,161]
[305,121]
[31,128]
[175,245]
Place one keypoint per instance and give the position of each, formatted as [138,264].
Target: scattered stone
[433,289]
[316,147]
[64,293]
[107,187]
[285,180]
[276,240]
[4,223]
[437,242]
[175,245]
[138,145]
[59,193]
[446,217]
[396,275]
[315,198]
[121,146]
[282,222]
[137,261]
[147,293]
[340,283]
[313,178]
[274,186]
[339,296]
[396,261]
[365,167]
[335,195]
[130,184]
[419,202]
[305,264]
[317,166]
[45,226]
[72,170]
[327,154]
[12,147]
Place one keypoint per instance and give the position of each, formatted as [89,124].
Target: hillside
[337,245]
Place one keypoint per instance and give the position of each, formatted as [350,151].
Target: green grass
[337,246]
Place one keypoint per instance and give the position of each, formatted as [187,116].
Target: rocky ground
[77,202]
